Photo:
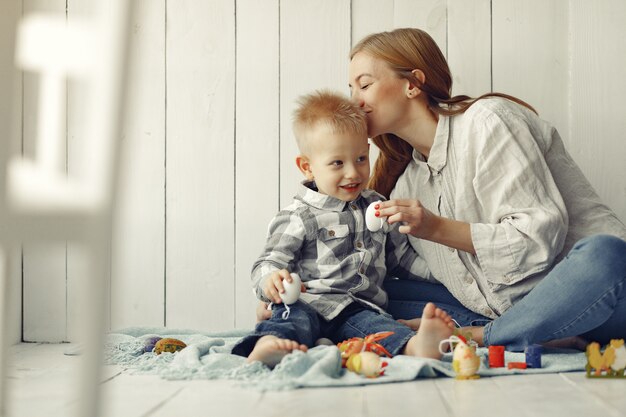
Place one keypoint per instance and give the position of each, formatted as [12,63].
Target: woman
[491,200]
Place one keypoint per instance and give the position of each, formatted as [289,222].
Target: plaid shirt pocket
[334,243]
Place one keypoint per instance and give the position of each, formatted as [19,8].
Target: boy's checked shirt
[325,240]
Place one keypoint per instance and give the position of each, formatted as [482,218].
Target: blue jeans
[583,295]
[408,298]
[305,326]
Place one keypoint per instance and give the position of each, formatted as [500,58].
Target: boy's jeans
[305,326]
[583,295]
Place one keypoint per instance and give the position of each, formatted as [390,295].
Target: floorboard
[42,382]
[211,398]
[608,395]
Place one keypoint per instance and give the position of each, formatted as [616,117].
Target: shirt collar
[307,192]
[439,151]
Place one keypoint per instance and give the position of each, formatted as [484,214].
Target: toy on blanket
[607,364]
[168,345]
[533,356]
[363,355]
[150,343]
[368,364]
[465,361]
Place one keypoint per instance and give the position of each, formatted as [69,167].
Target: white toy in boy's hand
[373,223]
[292,289]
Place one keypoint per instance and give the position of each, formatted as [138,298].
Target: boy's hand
[274,285]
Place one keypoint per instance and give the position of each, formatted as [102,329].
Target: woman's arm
[402,260]
[516,219]
[419,222]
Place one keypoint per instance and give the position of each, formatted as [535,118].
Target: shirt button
[468,279]
[353,206]
[359,245]
[486,312]
[451,249]
[361,270]
[331,233]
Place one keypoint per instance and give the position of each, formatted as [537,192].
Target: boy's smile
[351,188]
[338,162]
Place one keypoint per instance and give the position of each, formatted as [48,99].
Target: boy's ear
[304,166]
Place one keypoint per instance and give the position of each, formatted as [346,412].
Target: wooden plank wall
[209,150]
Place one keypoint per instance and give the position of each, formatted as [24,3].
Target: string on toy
[285,314]
[454,340]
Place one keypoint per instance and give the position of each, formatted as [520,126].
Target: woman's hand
[416,220]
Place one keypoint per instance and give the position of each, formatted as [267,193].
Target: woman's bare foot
[475,333]
[271,350]
[414,324]
[574,342]
[435,326]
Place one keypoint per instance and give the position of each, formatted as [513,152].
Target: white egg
[292,289]
[372,222]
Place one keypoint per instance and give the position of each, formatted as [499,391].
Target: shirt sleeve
[401,259]
[525,218]
[286,235]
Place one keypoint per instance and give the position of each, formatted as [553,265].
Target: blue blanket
[207,356]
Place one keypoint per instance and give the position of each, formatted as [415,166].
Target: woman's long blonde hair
[405,50]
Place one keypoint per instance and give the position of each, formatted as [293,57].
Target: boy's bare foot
[435,326]
[271,350]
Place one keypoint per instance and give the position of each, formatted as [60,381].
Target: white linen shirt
[504,171]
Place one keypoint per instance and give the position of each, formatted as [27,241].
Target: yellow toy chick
[597,361]
[465,361]
[619,363]
[367,364]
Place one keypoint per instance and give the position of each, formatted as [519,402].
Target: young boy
[322,236]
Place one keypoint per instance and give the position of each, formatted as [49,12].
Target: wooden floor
[41,379]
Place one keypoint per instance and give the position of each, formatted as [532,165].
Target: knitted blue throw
[207,356]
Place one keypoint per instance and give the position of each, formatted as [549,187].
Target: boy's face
[338,162]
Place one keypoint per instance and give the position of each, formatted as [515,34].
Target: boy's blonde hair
[328,108]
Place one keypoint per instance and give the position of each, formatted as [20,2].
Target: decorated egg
[372,222]
[150,343]
[292,289]
[169,345]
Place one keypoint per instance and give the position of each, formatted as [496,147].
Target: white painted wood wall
[209,150]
